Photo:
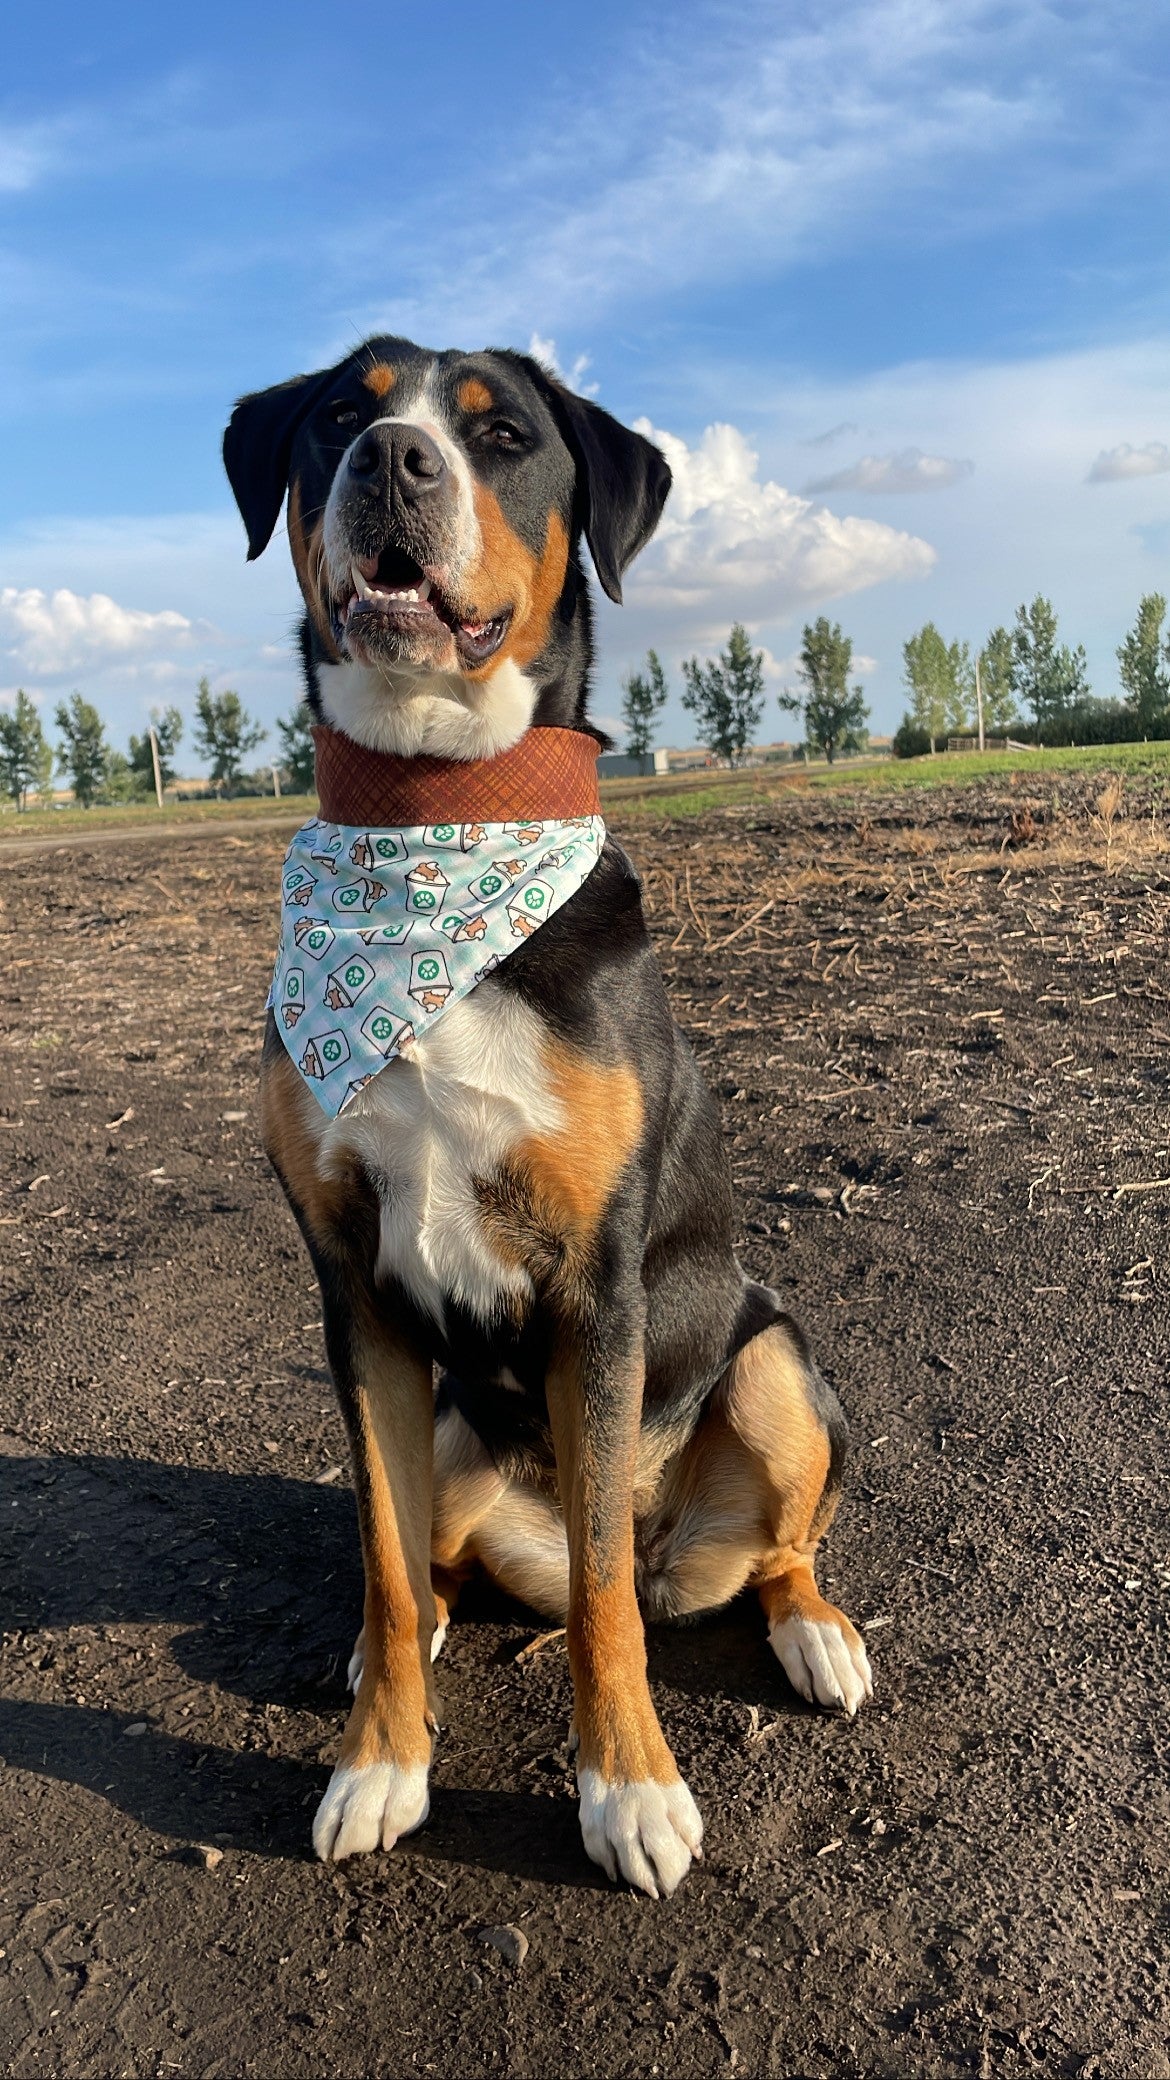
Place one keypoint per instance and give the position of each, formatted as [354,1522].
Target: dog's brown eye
[342,414]
[504,436]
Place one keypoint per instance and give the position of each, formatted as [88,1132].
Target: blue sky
[890,280]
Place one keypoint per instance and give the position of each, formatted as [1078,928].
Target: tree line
[1026,679]
[224,735]
[1032,683]
[726,696]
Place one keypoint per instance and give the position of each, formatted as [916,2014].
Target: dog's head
[436,502]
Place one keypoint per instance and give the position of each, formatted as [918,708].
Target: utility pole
[276,783]
[979,700]
[158,786]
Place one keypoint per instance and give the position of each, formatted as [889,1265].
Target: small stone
[210,1858]
[234,1116]
[133,1732]
[510,1941]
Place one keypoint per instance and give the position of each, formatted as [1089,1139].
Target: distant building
[620,765]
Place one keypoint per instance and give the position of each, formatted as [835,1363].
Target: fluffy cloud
[545,350]
[910,470]
[1113,464]
[730,545]
[48,634]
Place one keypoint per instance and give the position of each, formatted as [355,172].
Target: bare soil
[943,1054]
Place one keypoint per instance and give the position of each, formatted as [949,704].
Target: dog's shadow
[260,1575]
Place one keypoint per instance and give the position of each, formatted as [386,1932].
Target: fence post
[158,786]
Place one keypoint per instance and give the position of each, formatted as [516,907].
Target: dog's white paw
[367,1809]
[438,1640]
[647,1831]
[822,1662]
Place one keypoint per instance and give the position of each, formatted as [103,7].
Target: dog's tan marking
[474,395]
[743,1501]
[380,379]
[542,1209]
[573,1172]
[291,1123]
[508,1527]
[393,1716]
[507,572]
[620,1738]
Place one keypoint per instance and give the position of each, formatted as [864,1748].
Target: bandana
[381,930]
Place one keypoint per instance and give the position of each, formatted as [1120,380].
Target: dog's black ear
[622,480]
[256,450]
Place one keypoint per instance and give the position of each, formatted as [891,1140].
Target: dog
[533,1196]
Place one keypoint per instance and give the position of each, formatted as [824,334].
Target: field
[937,1018]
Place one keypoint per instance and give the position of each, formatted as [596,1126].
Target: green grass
[39,823]
[675,796]
[663,797]
[961,768]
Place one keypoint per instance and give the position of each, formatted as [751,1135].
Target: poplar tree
[1144,658]
[929,672]
[167,724]
[644,696]
[224,734]
[26,759]
[995,679]
[84,754]
[1047,676]
[298,757]
[726,696]
[836,716]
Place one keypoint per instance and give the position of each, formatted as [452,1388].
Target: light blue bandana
[381,930]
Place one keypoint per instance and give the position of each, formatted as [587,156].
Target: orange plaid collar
[549,773]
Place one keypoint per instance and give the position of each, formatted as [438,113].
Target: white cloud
[60,632]
[731,546]
[545,351]
[910,470]
[1113,464]
[862,115]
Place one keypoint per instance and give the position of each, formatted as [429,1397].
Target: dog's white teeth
[361,587]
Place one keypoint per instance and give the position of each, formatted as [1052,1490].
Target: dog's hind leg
[505,1525]
[780,1407]
[466,1486]
[378,1790]
[745,1504]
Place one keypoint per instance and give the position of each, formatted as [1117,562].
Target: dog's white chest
[446,1113]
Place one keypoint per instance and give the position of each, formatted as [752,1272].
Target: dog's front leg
[637,1815]
[378,1790]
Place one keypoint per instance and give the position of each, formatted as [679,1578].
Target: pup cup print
[430,982]
[382,930]
[426,888]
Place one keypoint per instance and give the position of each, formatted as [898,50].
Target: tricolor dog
[507,1169]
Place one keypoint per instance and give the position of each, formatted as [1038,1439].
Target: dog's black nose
[400,459]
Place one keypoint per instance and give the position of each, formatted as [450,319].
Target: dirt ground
[940,1032]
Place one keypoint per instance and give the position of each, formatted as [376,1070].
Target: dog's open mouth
[392,593]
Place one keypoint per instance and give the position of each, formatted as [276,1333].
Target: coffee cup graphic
[384,1030]
[430,984]
[426,888]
